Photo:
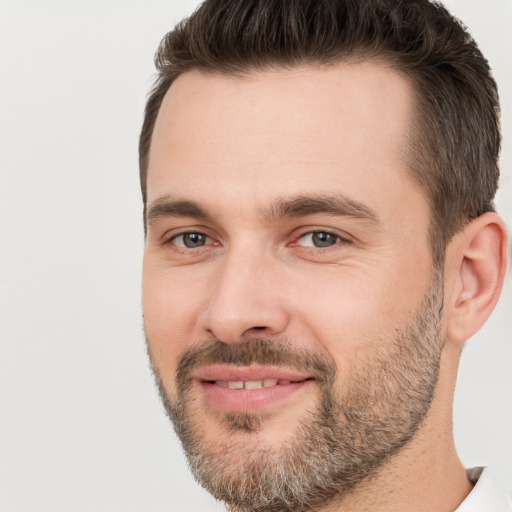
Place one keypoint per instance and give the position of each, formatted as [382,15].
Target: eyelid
[343,237]
[311,234]
[170,231]
[169,237]
[172,235]
[181,235]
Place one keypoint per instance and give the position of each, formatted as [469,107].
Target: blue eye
[191,240]
[319,239]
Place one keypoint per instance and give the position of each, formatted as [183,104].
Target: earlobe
[478,264]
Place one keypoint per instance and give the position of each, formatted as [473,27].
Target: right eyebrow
[165,206]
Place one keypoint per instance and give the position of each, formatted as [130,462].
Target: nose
[246,299]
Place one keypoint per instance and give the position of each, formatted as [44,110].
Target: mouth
[253,384]
[249,389]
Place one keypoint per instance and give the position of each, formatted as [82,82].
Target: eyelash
[183,247]
[338,240]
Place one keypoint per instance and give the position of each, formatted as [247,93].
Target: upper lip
[247,373]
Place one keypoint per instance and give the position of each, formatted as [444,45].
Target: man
[318,181]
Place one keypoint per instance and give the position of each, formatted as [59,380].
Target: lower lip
[250,400]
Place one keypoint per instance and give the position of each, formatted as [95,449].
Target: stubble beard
[345,440]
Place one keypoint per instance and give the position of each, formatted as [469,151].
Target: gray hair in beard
[345,440]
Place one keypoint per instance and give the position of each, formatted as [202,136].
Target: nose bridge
[245,299]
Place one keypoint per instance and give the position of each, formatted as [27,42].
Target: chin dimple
[252,384]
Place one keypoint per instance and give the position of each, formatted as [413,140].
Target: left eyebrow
[337,205]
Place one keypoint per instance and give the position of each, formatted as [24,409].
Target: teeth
[251,384]
[236,385]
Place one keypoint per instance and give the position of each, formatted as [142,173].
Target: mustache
[260,351]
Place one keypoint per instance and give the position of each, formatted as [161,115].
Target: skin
[239,146]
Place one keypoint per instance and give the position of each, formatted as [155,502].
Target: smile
[249,389]
[253,384]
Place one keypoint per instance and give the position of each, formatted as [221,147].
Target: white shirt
[487,494]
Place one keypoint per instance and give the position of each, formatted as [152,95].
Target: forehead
[282,132]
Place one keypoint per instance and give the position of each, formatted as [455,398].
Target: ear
[475,269]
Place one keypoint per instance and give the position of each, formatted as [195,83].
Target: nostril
[252,330]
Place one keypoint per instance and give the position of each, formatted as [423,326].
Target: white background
[82,428]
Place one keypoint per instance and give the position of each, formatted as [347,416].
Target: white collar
[487,494]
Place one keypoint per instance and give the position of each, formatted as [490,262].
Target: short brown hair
[455,138]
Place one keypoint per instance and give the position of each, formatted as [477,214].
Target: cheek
[170,309]
[342,318]
[354,311]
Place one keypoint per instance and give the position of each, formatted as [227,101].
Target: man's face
[289,300]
